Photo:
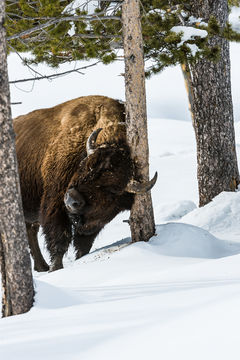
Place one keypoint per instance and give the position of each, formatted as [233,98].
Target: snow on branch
[189,32]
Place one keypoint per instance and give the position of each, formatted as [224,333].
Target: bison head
[101,187]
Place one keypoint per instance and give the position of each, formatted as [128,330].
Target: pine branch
[54,21]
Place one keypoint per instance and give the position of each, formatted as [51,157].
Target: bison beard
[70,189]
[92,199]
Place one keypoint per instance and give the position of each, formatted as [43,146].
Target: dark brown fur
[52,159]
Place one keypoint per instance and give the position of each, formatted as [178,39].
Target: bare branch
[44,37]
[53,76]
[30,68]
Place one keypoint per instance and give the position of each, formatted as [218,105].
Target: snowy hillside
[176,297]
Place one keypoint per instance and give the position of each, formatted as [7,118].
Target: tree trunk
[141,219]
[17,284]
[213,112]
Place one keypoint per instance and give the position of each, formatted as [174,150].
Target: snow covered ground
[175,297]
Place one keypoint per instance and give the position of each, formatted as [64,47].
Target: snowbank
[221,216]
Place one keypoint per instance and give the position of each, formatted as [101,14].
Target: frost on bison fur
[70,189]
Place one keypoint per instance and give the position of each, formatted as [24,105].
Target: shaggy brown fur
[52,159]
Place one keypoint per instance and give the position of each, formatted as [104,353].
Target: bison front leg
[57,231]
[83,244]
[57,241]
[39,262]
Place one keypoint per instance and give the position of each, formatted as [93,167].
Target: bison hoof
[56,266]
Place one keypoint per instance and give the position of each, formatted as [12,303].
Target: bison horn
[136,187]
[90,147]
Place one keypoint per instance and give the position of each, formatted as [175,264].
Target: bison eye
[74,201]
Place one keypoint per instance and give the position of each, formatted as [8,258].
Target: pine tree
[56,34]
[212,111]
[53,33]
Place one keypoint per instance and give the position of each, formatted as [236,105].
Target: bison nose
[73,201]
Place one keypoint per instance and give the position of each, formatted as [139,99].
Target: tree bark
[188,85]
[17,284]
[212,111]
[142,218]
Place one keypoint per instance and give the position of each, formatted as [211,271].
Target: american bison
[76,173]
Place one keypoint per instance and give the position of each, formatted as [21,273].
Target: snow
[176,296]
[199,21]
[234,18]
[189,33]
[220,216]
